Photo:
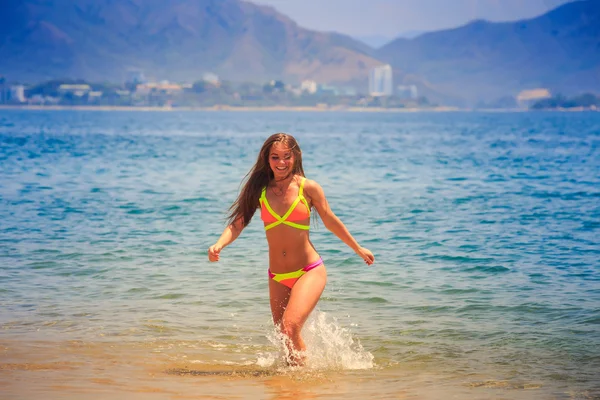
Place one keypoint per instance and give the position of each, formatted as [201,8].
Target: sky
[391,18]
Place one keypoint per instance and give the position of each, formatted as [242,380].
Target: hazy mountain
[409,34]
[175,39]
[482,60]
[100,40]
[374,41]
[377,41]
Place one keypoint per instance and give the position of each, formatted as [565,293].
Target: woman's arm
[230,233]
[332,222]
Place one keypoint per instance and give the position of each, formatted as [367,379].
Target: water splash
[328,347]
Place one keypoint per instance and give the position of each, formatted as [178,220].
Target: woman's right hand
[366,255]
[213,252]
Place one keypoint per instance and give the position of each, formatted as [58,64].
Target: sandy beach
[136,370]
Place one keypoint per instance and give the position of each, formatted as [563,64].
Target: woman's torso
[289,245]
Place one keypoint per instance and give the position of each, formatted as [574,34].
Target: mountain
[374,41]
[559,50]
[100,40]
[180,40]
[410,34]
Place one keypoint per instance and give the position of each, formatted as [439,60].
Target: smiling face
[281,160]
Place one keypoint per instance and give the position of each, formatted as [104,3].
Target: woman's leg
[302,300]
[279,295]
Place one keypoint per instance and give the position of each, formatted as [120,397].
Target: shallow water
[485,228]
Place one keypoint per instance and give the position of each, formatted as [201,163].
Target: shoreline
[230,108]
[286,109]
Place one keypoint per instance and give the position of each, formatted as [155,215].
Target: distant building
[17,94]
[38,99]
[328,90]
[274,86]
[94,97]
[347,91]
[76,90]
[527,97]
[4,90]
[309,86]
[161,87]
[408,92]
[211,78]
[13,94]
[380,81]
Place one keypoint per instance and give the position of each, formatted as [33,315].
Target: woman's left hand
[366,255]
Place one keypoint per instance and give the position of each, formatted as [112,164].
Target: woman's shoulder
[311,186]
[307,181]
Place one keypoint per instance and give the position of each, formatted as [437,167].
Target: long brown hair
[259,177]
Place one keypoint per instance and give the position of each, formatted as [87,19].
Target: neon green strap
[288,275]
[282,220]
[301,195]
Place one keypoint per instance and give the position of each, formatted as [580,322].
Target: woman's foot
[295,359]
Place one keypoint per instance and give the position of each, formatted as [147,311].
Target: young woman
[276,184]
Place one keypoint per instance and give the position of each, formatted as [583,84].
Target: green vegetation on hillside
[586,100]
[202,93]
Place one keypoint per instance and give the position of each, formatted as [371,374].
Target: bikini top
[295,213]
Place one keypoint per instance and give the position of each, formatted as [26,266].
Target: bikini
[295,213]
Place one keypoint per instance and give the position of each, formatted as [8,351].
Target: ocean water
[485,228]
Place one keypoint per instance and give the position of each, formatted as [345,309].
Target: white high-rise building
[380,81]
[17,94]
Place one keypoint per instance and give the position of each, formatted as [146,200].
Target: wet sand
[113,370]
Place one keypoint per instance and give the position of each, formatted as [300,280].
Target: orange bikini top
[296,212]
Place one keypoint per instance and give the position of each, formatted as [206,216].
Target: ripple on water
[483,226]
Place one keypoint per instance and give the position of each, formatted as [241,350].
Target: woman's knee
[290,327]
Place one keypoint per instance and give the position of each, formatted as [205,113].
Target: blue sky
[389,18]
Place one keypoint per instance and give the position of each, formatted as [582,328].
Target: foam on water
[329,346]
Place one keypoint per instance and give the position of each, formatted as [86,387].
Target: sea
[485,227]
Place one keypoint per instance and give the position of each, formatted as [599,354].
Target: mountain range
[174,39]
[180,40]
[559,50]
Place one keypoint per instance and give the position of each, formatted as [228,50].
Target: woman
[276,184]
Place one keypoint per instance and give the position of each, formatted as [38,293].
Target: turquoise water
[485,229]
